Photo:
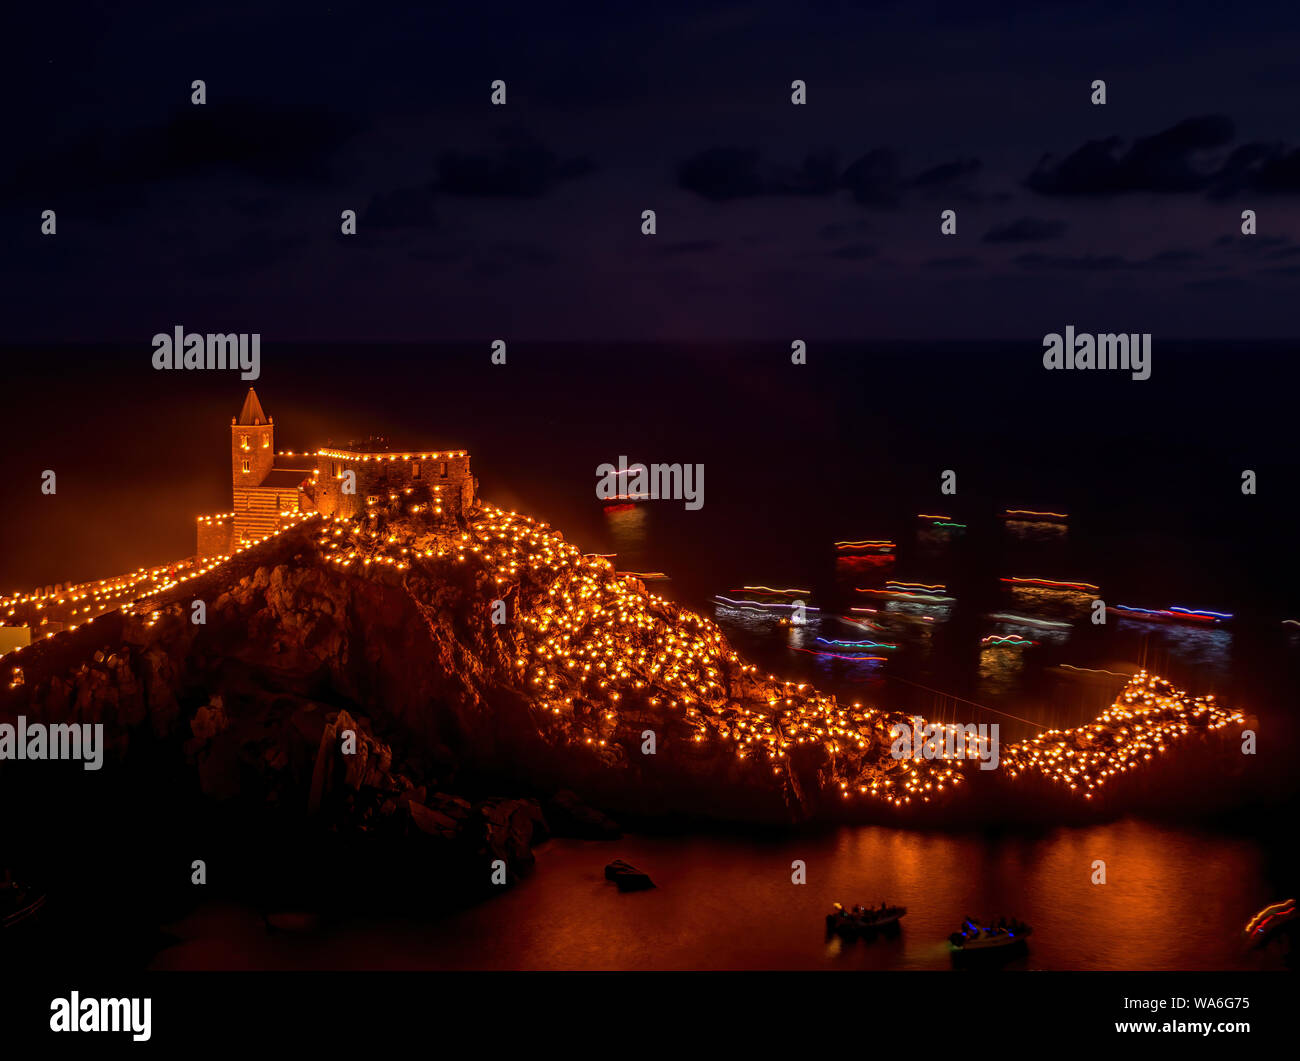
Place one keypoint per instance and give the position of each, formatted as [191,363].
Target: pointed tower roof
[251,414]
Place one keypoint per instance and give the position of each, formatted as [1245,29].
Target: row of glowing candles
[597,637]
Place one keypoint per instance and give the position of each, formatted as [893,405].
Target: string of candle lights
[599,653]
[1147,719]
[599,648]
[133,591]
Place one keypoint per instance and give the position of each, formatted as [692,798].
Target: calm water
[1175,899]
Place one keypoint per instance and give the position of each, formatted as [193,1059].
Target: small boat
[1172,614]
[1026,515]
[862,920]
[1270,922]
[1006,937]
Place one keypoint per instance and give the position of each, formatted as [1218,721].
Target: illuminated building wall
[445,474]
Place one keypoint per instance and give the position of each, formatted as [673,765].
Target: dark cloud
[1165,261]
[723,173]
[1026,230]
[277,142]
[1268,169]
[269,141]
[947,174]
[874,179]
[521,168]
[1164,163]
[952,180]
[1176,160]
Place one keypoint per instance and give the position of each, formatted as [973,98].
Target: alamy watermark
[195,350]
[1108,350]
[939,741]
[84,741]
[654,482]
[77,1014]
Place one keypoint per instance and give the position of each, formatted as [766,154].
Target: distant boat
[1051,585]
[867,545]
[907,591]
[1266,925]
[1172,614]
[1007,938]
[1025,515]
[863,921]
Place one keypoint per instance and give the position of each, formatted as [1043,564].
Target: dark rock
[627,876]
[433,822]
[569,816]
[510,828]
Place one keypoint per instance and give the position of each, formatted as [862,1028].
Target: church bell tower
[252,444]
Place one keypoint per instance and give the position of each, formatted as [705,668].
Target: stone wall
[215,534]
[255,444]
[445,477]
[259,510]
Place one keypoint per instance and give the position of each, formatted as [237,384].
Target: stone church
[269,487]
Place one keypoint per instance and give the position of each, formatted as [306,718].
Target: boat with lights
[863,920]
[1027,515]
[1270,922]
[1007,936]
[1173,614]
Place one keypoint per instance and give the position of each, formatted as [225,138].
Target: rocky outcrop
[628,877]
[569,816]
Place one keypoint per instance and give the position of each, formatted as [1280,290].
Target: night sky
[523,222]
[774,220]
